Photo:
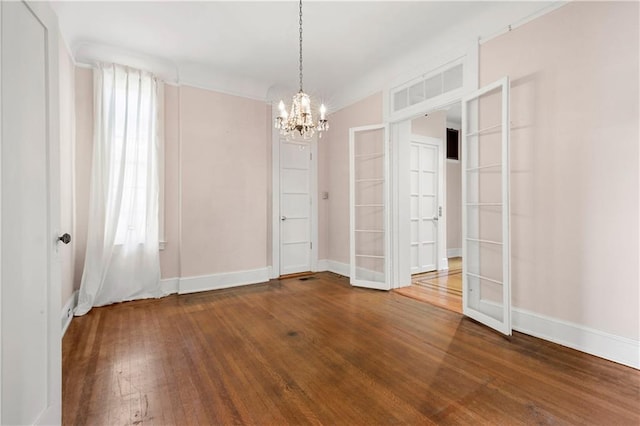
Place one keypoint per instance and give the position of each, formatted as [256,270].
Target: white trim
[66,314]
[595,342]
[454,252]
[169,285]
[275,196]
[1,285]
[322,265]
[520,22]
[223,280]
[338,267]
[313,183]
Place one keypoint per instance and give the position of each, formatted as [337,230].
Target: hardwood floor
[318,351]
[440,288]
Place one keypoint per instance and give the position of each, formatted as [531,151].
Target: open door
[369,207]
[486,281]
[30,328]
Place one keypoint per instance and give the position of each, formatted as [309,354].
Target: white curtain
[122,259]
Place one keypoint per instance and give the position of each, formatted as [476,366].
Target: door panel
[485,194]
[369,198]
[30,323]
[424,206]
[295,207]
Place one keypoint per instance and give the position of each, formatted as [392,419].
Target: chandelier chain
[301,45]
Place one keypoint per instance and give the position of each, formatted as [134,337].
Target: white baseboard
[595,342]
[169,286]
[454,252]
[322,265]
[67,311]
[222,280]
[337,267]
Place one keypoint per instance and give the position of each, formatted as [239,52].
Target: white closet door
[485,195]
[295,207]
[369,206]
[30,373]
[423,176]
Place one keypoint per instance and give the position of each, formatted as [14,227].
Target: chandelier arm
[301,45]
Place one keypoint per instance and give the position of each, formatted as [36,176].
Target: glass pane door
[369,207]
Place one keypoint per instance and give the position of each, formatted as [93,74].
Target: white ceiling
[257,41]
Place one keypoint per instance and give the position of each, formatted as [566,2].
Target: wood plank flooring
[440,288]
[320,352]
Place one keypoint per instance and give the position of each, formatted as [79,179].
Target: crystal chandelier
[300,118]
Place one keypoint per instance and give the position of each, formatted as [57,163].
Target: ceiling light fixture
[300,118]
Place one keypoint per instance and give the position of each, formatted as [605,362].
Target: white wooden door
[29,179]
[485,210]
[295,207]
[424,205]
[369,207]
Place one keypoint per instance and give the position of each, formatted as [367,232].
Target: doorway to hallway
[441,288]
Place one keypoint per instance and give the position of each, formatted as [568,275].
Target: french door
[485,206]
[369,207]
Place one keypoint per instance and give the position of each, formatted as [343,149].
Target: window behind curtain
[133,144]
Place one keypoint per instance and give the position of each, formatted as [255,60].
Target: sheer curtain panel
[122,259]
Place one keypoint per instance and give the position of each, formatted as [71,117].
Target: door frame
[51,414]
[275,199]
[442,263]
[400,127]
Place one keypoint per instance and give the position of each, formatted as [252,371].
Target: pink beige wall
[336,175]
[82,163]
[224,187]
[433,125]
[170,256]
[574,153]
[454,204]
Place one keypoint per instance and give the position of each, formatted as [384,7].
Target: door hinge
[311,245]
[311,156]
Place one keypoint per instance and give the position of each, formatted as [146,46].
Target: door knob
[65,238]
[283,218]
[435,218]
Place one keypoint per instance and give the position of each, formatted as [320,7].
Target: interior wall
[432,125]
[365,112]
[66,76]
[170,256]
[574,162]
[224,190]
[82,165]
